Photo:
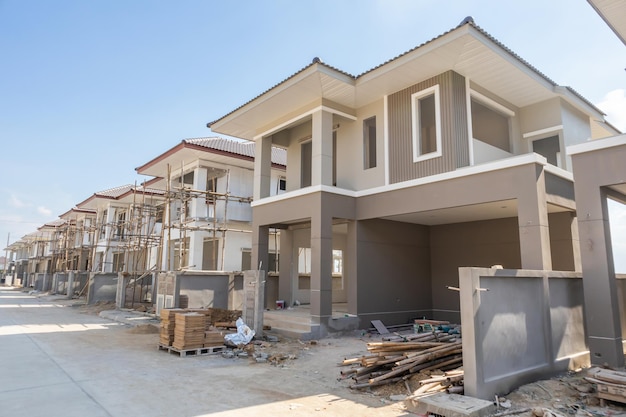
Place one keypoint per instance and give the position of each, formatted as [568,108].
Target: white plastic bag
[243,336]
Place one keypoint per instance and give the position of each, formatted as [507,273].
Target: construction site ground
[60,357]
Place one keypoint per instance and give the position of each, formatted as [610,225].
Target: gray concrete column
[262,168]
[532,217]
[601,302]
[350,267]
[260,247]
[322,149]
[321,267]
[70,284]
[288,271]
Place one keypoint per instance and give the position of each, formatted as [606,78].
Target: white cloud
[16,202]
[44,211]
[614,105]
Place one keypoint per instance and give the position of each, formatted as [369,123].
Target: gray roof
[467,21]
[244,148]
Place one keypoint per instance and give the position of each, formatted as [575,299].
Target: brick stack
[189,331]
[167,325]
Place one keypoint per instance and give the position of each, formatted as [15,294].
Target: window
[211,187]
[282,184]
[426,124]
[120,225]
[306,165]
[304,260]
[549,148]
[337,261]
[490,126]
[369,143]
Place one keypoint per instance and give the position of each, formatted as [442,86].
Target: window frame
[415,124]
[370,157]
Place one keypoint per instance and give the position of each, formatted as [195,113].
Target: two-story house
[207,183]
[451,154]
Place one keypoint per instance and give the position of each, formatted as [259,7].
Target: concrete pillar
[262,168]
[196,251]
[601,301]
[350,267]
[70,284]
[260,247]
[288,271]
[321,267]
[532,217]
[198,206]
[322,148]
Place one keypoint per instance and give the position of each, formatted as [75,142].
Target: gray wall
[102,287]
[217,290]
[519,326]
[392,277]
[480,244]
[454,135]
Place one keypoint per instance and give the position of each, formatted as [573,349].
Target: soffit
[465,50]
[613,13]
[476,212]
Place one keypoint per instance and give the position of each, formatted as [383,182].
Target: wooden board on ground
[380,327]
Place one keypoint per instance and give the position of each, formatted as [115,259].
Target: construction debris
[395,361]
[610,384]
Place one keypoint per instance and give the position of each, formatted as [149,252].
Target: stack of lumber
[189,332]
[168,323]
[213,338]
[610,384]
[391,362]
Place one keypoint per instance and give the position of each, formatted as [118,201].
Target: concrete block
[450,405]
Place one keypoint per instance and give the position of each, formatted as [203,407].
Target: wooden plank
[380,327]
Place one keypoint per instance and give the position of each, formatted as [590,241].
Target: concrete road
[57,361]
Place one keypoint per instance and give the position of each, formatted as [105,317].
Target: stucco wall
[392,277]
[102,287]
[219,290]
[519,326]
[482,244]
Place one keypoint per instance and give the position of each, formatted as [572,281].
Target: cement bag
[243,336]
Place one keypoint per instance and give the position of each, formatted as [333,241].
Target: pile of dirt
[95,308]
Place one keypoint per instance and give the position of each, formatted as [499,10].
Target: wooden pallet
[192,352]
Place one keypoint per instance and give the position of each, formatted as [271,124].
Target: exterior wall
[519,326]
[540,116]
[480,244]
[454,134]
[295,137]
[102,287]
[576,129]
[564,246]
[392,277]
[351,174]
[217,290]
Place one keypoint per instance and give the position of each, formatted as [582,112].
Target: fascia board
[283,86]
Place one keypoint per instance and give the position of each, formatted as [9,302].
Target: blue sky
[90,89]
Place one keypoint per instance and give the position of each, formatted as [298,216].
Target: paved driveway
[57,361]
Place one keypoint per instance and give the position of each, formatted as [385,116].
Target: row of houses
[378,191]
[193,213]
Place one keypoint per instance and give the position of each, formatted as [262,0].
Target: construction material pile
[185,329]
[390,362]
[610,384]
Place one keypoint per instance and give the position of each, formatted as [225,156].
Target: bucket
[280,304]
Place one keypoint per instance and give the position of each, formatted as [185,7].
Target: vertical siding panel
[455,150]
